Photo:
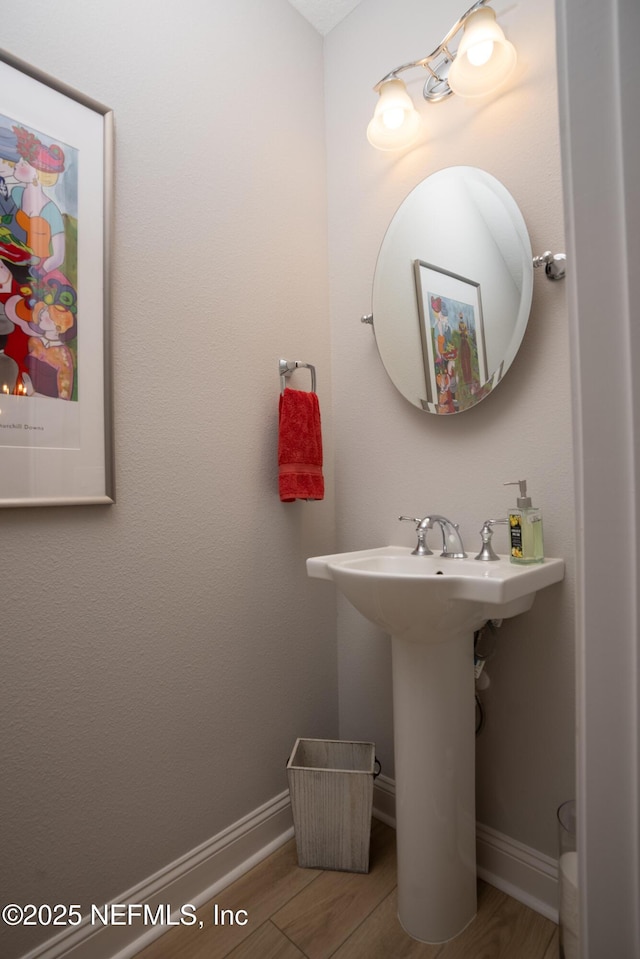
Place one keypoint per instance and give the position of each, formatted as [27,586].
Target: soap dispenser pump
[525,528]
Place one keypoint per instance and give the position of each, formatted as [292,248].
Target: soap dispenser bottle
[525,528]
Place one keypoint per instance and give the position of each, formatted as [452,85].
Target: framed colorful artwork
[56,169]
[452,335]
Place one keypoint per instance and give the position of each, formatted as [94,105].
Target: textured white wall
[393,459]
[160,656]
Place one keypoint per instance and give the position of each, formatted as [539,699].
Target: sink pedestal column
[434,739]
[430,606]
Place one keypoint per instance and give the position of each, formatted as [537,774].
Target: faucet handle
[421,549]
[487,554]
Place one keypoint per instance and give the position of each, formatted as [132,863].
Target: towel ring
[287,367]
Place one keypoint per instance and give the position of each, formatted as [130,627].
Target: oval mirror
[452,290]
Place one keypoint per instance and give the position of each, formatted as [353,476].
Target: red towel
[300,447]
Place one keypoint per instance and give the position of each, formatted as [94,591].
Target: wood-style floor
[295,913]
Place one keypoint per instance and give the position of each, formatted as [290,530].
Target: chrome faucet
[452,547]
[488,554]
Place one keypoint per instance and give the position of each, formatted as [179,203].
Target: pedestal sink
[431,607]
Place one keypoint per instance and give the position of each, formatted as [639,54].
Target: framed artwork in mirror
[56,169]
[453,338]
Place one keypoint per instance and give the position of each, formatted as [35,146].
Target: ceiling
[324,14]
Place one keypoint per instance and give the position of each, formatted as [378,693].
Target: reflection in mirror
[452,290]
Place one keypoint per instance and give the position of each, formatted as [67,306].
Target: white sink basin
[431,606]
[397,590]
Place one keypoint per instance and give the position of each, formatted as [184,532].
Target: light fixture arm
[437,87]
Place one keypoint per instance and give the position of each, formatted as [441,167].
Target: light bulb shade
[485,58]
[396,122]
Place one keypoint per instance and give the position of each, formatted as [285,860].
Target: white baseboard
[194,878]
[198,876]
[384,800]
[523,873]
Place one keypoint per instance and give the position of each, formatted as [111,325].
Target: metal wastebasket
[331,789]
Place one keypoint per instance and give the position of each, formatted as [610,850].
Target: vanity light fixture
[481,62]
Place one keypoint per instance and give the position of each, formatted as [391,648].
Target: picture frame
[453,339]
[56,215]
